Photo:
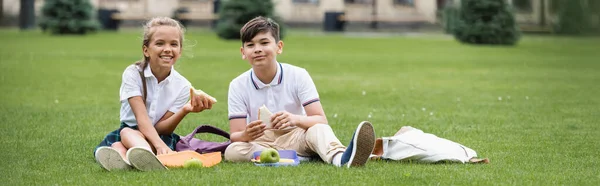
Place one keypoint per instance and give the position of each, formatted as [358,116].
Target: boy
[299,122]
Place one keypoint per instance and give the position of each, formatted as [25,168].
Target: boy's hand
[284,119]
[254,130]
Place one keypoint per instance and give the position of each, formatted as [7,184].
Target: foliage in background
[575,17]
[532,109]
[235,13]
[450,16]
[68,17]
[486,22]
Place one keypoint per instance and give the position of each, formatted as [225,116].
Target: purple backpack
[190,143]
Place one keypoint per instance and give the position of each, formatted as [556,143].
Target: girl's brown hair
[149,31]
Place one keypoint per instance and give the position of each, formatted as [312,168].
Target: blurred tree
[574,17]
[450,16]
[524,6]
[486,22]
[68,17]
[235,13]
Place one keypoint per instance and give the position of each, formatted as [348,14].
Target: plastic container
[283,154]
[176,160]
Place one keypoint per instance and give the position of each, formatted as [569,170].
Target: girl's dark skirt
[115,136]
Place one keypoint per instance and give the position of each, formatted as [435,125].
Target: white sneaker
[110,159]
[144,160]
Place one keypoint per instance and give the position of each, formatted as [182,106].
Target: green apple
[269,155]
[192,163]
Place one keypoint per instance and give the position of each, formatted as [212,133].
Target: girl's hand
[163,150]
[254,130]
[284,119]
[201,100]
[199,103]
[189,108]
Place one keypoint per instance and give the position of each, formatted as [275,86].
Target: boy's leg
[320,139]
[360,147]
[242,151]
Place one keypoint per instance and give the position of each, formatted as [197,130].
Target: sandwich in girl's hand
[265,116]
[198,92]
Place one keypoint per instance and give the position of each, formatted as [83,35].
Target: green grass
[59,97]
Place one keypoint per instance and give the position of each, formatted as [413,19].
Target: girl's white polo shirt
[169,95]
[291,89]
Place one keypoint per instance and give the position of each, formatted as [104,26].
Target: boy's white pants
[317,140]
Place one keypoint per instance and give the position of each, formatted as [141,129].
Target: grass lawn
[532,109]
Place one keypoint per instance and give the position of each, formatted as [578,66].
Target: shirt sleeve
[307,91]
[130,84]
[181,100]
[235,102]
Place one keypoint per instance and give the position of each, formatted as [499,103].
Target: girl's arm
[144,123]
[169,121]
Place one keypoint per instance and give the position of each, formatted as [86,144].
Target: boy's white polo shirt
[291,89]
[169,95]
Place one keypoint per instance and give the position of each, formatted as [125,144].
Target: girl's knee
[129,132]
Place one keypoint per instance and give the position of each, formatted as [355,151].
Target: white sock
[337,159]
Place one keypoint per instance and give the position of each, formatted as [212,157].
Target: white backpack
[413,144]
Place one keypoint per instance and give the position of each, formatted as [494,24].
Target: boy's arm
[238,114]
[240,132]
[309,97]
[314,115]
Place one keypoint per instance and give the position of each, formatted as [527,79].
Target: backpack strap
[207,129]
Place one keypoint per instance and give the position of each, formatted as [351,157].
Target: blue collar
[259,84]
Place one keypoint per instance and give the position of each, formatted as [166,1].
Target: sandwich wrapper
[286,158]
[194,91]
[264,114]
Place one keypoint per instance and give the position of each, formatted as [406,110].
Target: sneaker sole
[364,142]
[110,159]
[144,160]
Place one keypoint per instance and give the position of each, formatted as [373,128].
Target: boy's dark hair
[258,25]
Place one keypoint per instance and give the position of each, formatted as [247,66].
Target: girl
[154,99]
